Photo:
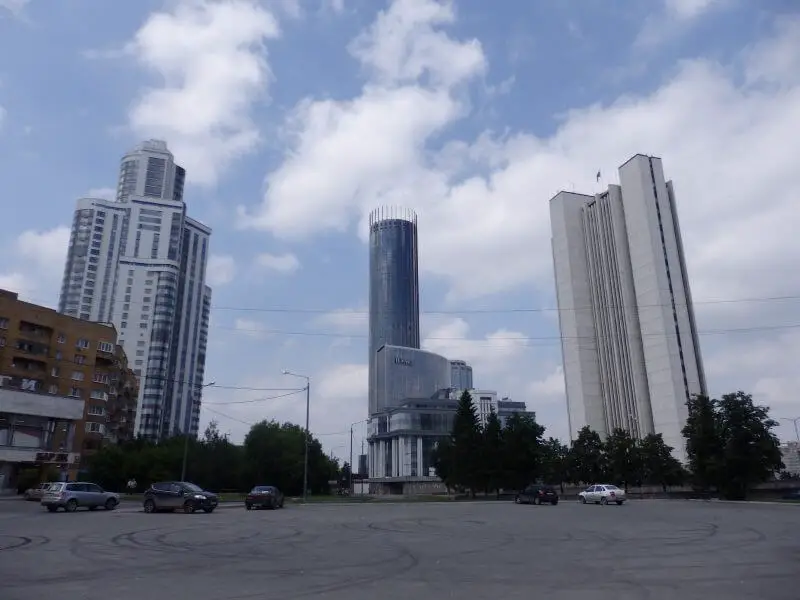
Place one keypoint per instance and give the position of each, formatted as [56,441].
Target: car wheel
[188,508]
[603,501]
[72,505]
[281,504]
[619,502]
[582,499]
[111,504]
[149,506]
[554,502]
[208,511]
[93,507]
[27,496]
[52,508]
[517,500]
[248,506]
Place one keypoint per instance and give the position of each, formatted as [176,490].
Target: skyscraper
[139,262]
[393,286]
[460,375]
[628,335]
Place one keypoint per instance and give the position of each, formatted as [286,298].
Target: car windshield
[54,487]
[262,488]
[192,487]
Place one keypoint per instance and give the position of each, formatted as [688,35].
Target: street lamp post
[350,476]
[186,436]
[793,420]
[308,410]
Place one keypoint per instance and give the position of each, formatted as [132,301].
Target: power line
[513,338]
[479,311]
[295,392]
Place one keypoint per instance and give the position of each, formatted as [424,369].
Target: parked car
[537,494]
[178,495]
[36,493]
[264,496]
[602,494]
[78,494]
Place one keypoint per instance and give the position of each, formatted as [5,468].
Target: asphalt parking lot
[644,550]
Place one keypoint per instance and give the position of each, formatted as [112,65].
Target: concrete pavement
[657,550]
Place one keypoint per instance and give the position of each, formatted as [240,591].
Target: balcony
[34,348]
[34,331]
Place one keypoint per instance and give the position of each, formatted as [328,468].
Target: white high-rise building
[139,262]
[628,335]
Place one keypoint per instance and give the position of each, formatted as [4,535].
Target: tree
[442,461]
[466,439]
[657,465]
[703,442]
[587,459]
[522,451]
[492,455]
[750,451]
[555,462]
[621,457]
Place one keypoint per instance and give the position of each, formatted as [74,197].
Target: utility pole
[350,474]
[186,433]
[793,420]
[308,411]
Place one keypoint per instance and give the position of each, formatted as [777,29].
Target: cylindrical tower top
[392,213]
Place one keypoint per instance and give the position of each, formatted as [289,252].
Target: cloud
[211,57]
[344,382]
[675,17]
[38,259]
[106,193]
[221,270]
[281,263]
[253,329]
[14,6]
[353,321]
[551,388]
[316,188]
[496,351]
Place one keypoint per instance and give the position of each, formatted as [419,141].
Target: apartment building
[139,262]
[62,383]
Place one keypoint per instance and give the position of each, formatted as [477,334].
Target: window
[75,392]
[123,325]
[140,353]
[142,325]
[100,378]
[80,359]
[59,356]
[99,395]
[95,427]
[3,323]
[82,343]
[2,341]
[105,347]
[55,371]
[61,338]
[77,375]
[97,411]
[53,389]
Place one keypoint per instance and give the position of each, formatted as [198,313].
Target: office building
[629,341]
[63,383]
[460,375]
[393,288]
[139,261]
[507,407]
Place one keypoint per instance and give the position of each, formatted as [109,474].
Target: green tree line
[272,454]
[729,443]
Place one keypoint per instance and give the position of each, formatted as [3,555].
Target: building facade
[460,375]
[139,261]
[507,407]
[402,373]
[59,379]
[790,455]
[393,287]
[402,441]
[629,344]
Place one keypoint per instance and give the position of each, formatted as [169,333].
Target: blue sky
[295,117]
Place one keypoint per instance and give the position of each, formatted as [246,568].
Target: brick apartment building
[65,390]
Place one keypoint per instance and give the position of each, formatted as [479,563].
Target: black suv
[178,495]
[537,494]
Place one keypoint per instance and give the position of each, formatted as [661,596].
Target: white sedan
[602,494]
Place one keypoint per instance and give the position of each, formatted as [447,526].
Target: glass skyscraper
[393,286]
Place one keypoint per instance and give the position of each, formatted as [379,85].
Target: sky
[295,118]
